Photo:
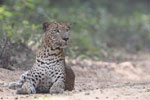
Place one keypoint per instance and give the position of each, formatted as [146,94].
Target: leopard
[48,73]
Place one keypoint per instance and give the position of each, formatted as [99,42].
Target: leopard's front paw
[25,91]
[27,88]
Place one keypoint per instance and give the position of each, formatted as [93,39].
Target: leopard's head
[56,34]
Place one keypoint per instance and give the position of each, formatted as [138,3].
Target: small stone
[91,88]
[16,98]
[87,93]
[35,97]
[97,88]
[96,97]
[80,90]
[117,95]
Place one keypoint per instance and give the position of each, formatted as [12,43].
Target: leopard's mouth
[62,44]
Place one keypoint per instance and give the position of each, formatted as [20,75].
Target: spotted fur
[48,72]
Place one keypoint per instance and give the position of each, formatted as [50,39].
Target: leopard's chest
[51,71]
[50,65]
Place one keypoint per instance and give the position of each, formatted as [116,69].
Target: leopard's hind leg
[30,84]
[19,83]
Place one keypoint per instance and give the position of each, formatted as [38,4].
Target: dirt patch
[99,74]
[136,92]
[96,80]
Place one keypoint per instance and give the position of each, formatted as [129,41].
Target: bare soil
[95,80]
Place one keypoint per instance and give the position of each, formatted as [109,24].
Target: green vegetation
[99,26]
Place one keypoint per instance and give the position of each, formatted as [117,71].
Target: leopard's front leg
[57,87]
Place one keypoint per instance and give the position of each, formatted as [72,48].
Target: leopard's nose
[66,39]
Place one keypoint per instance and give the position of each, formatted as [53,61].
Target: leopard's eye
[56,30]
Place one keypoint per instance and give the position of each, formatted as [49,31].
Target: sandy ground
[95,80]
[129,92]
[136,92]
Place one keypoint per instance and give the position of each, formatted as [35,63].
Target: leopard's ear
[69,24]
[45,25]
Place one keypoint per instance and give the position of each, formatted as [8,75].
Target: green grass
[99,26]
